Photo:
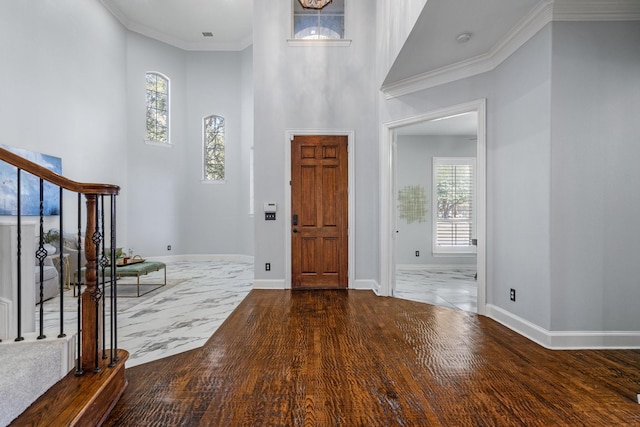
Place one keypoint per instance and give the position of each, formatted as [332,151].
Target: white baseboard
[280,284]
[366,284]
[434,267]
[268,284]
[203,258]
[565,340]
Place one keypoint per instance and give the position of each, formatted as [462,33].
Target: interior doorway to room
[319,212]
[437,250]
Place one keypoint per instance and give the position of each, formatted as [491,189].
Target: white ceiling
[181,23]
[432,43]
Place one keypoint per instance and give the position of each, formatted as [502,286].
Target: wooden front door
[319,206]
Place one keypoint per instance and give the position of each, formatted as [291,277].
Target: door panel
[319,198]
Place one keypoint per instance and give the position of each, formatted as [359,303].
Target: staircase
[65,377]
[29,368]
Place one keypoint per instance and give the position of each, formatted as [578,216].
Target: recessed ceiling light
[463,37]
[207,34]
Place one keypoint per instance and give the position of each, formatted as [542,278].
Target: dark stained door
[319,206]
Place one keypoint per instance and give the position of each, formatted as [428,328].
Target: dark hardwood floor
[350,358]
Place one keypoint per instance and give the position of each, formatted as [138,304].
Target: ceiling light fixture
[314,4]
[463,38]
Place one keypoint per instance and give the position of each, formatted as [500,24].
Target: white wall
[518,171]
[169,203]
[518,176]
[216,216]
[63,88]
[415,167]
[594,188]
[561,177]
[394,22]
[156,176]
[317,88]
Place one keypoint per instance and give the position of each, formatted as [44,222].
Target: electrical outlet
[417,253]
[512,294]
[267,266]
[168,247]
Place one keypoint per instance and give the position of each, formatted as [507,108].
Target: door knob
[295,230]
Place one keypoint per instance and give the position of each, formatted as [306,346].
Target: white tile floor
[453,287]
[199,296]
[182,316]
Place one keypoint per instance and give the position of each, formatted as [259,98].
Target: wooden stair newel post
[91,297]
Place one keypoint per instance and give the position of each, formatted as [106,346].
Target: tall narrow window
[157,108]
[214,148]
[453,195]
[319,24]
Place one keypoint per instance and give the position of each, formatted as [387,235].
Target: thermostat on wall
[270,211]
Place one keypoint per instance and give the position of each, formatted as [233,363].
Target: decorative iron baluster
[78,279]
[103,265]
[41,254]
[96,294]
[114,289]
[19,248]
[63,271]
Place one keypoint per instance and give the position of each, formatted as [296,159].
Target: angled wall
[595,147]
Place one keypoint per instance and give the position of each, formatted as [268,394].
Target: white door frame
[388,191]
[290,133]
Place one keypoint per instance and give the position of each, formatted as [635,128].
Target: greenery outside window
[157,89]
[214,145]
[319,24]
[453,213]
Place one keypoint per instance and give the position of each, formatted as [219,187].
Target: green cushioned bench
[136,270]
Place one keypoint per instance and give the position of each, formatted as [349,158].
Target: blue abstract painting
[30,186]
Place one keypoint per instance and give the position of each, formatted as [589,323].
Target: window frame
[461,250]
[148,141]
[342,42]
[206,180]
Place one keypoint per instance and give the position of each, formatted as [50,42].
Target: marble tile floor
[199,296]
[181,316]
[453,287]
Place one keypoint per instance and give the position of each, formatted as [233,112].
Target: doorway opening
[421,240]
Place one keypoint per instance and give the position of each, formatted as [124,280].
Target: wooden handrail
[91,323]
[46,174]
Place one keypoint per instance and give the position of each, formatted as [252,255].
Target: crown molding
[596,10]
[544,13]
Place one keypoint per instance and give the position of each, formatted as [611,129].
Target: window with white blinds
[453,200]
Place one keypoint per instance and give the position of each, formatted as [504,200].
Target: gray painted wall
[63,89]
[316,88]
[415,167]
[170,205]
[562,143]
[156,175]
[562,148]
[594,188]
[75,89]
[518,170]
[394,22]
[518,180]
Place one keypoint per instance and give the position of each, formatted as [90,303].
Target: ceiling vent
[207,34]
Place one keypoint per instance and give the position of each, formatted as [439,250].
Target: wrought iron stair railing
[96,306]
